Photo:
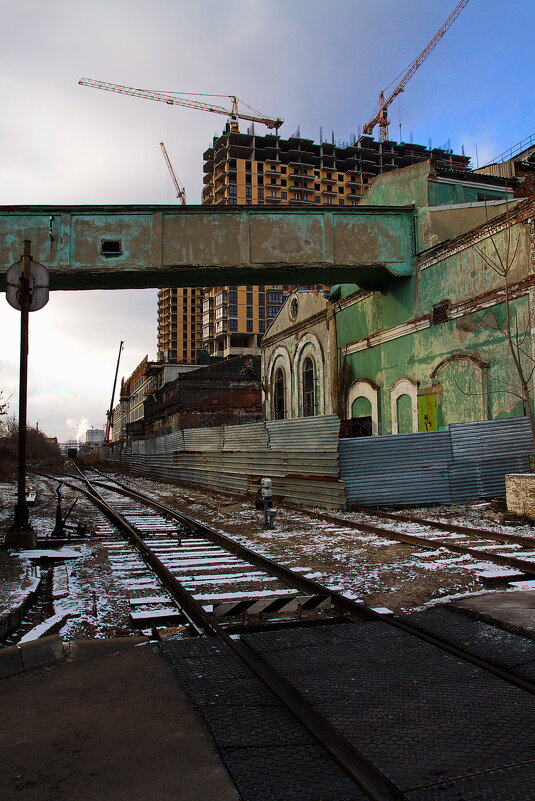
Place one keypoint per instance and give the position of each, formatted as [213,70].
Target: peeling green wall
[444,194]
[419,186]
[400,187]
[479,382]
[120,247]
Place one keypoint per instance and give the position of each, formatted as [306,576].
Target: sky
[316,64]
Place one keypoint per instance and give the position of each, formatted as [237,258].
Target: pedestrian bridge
[125,247]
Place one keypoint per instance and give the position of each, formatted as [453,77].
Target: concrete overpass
[124,247]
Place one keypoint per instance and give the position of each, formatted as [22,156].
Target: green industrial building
[421,352]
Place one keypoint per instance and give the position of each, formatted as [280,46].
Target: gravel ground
[377,571]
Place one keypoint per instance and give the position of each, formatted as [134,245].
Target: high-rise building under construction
[255,170]
[179,324]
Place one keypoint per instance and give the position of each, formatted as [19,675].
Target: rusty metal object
[487,533]
[409,539]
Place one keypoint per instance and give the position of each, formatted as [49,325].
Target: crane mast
[174,100]
[180,191]
[381,118]
[109,413]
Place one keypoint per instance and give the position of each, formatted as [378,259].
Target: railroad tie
[271,605]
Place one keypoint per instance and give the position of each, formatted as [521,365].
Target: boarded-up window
[427,413]
[404,413]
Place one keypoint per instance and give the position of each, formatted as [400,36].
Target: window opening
[309,400]
[279,395]
[111,247]
[361,427]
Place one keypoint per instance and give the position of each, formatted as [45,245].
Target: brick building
[225,393]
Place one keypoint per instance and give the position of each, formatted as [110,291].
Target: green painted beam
[124,247]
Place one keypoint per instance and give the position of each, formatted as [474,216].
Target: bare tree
[4,403]
[39,446]
[501,261]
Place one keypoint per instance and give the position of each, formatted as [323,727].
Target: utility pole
[26,290]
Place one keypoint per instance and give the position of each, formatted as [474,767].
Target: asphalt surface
[117,727]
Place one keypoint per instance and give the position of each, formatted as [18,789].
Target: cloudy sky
[316,63]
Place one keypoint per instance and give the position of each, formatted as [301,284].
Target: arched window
[280,411]
[363,402]
[309,389]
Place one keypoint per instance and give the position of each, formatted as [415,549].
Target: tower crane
[381,118]
[109,413]
[175,100]
[180,191]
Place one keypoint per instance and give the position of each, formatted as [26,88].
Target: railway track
[224,586]
[504,549]
[236,587]
[188,578]
[509,550]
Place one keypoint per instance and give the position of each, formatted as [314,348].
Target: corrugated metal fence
[300,456]
[309,464]
[465,463]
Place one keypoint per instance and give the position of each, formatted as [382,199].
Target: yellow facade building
[180,324]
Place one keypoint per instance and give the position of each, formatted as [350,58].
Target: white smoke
[81,427]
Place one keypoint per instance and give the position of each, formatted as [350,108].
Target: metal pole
[22,514]
[109,424]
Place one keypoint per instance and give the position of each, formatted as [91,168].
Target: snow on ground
[96,591]
[382,572]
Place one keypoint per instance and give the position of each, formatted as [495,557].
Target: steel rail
[522,565]
[354,763]
[274,568]
[359,769]
[485,533]
[199,617]
[411,539]
[350,607]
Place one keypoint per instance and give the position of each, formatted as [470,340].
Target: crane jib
[175,100]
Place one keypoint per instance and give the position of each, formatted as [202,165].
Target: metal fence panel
[235,458]
[304,433]
[203,439]
[484,452]
[293,474]
[484,478]
[285,464]
[377,453]
[395,489]
[489,437]
[396,470]
[175,441]
[465,463]
[251,436]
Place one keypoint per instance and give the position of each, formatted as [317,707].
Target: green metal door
[427,412]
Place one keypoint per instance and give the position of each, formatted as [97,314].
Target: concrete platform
[117,726]
[514,611]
